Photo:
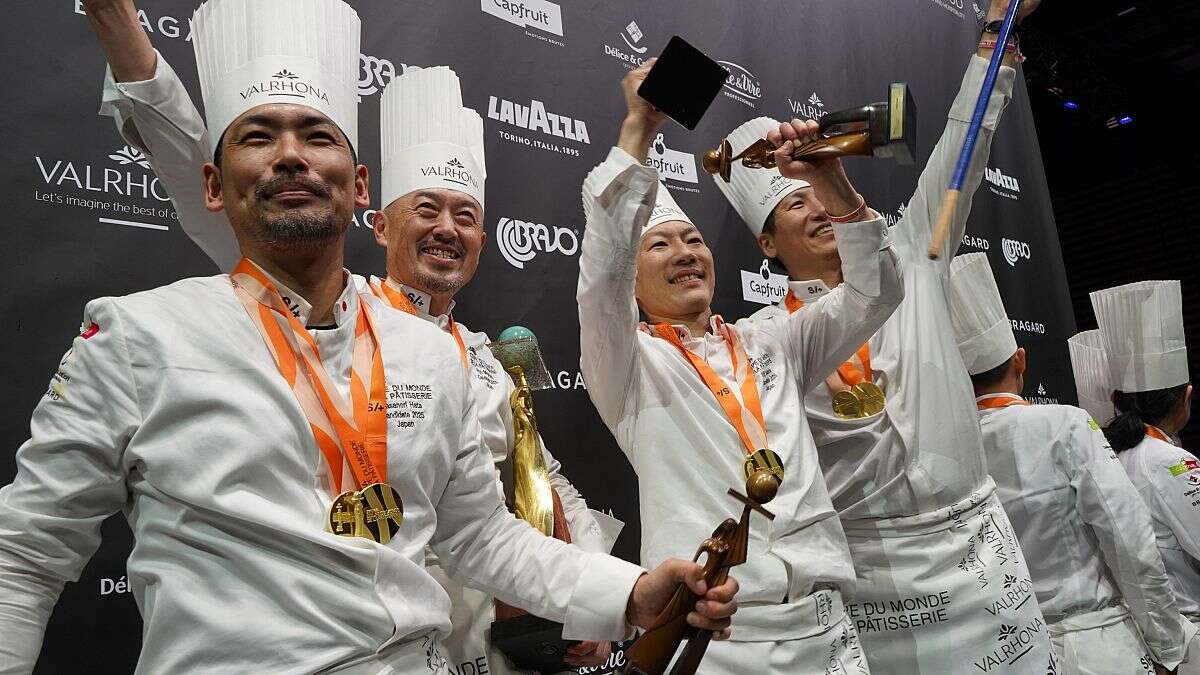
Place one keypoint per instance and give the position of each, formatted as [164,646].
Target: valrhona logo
[741,85]
[812,108]
[285,84]
[453,172]
[520,241]
[123,193]
[1043,397]
[1014,250]
[1013,643]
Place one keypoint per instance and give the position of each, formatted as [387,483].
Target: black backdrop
[86,217]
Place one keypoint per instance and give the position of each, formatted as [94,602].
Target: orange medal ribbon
[1001,401]
[747,419]
[398,300]
[848,371]
[352,437]
[1153,432]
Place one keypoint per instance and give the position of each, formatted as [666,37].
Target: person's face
[803,236]
[433,239]
[674,271]
[287,177]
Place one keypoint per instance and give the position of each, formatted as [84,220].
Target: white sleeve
[1170,482]
[484,546]
[1109,503]
[590,530]
[157,117]
[915,229]
[826,332]
[70,477]
[618,198]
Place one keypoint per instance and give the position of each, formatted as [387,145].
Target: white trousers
[946,593]
[810,637]
[1104,642]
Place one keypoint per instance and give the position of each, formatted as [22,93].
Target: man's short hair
[990,378]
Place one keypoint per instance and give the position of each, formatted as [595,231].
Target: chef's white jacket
[1168,478]
[1083,527]
[923,452]
[684,449]
[172,410]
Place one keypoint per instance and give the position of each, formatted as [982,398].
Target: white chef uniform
[925,530]
[686,452]
[170,407]
[1097,576]
[158,117]
[1141,327]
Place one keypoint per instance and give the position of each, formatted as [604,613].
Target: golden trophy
[884,129]
[530,642]
[652,652]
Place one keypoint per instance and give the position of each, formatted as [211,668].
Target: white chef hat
[429,140]
[1141,325]
[981,326]
[755,192]
[1090,364]
[253,52]
[665,209]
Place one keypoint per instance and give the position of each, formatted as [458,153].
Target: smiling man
[689,398]
[432,225]
[281,514]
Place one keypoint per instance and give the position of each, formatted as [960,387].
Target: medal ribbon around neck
[850,373]
[1001,401]
[745,415]
[352,437]
[399,300]
[1153,432]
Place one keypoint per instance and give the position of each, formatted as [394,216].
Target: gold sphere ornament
[762,486]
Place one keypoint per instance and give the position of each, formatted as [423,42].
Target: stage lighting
[1125,120]
[1070,105]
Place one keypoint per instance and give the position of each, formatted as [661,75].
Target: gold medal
[847,404]
[764,459]
[375,512]
[871,396]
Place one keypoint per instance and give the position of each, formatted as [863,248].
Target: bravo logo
[1014,250]
[631,36]
[375,72]
[1002,185]
[811,109]
[741,85]
[537,14]
[520,241]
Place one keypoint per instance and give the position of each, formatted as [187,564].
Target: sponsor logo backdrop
[87,218]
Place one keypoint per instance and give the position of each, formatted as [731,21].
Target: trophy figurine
[884,129]
[530,642]
[652,652]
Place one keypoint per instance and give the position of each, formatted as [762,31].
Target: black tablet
[683,82]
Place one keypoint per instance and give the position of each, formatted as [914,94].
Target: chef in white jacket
[895,424]
[688,396]
[433,175]
[1083,527]
[240,421]
[1141,328]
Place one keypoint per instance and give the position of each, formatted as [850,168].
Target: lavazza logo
[1002,185]
[673,165]
[539,15]
[811,108]
[742,85]
[534,117]
[124,193]
[634,57]
[519,241]
[1014,250]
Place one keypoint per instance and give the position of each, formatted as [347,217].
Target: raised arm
[70,477]
[154,114]
[1112,507]
[915,230]
[618,198]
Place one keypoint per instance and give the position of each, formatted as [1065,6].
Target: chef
[689,398]
[433,175]
[895,423]
[1083,527]
[246,423]
[1141,328]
